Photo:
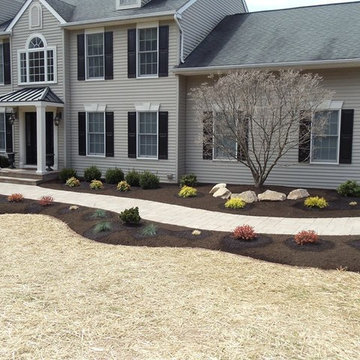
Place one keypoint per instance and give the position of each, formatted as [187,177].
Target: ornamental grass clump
[15,198]
[316,202]
[46,201]
[96,185]
[99,214]
[149,230]
[235,204]
[306,237]
[245,233]
[187,191]
[123,186]
[102,227]
[130,216]
[72,182]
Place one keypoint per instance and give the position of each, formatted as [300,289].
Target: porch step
[28,177]
[21,181]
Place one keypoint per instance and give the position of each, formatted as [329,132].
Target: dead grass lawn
[63,297]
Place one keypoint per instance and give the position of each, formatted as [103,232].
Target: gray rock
[216,188]
[223,193]
[248,196]
[298,194]
[270,195]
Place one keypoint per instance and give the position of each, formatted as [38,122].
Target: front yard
[65,297]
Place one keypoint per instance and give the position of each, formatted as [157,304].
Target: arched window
[37,62]
[35,17]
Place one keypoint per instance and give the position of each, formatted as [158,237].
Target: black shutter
[243,150]
[109,56]
[81,56]
[7,63]
[304,139]
[163,135]
[346,136]
[208,135]
[109,128]
[9,134]
[82,134]
[163,51]
[132,53]
[132,135]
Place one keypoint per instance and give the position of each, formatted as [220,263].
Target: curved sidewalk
[191,218]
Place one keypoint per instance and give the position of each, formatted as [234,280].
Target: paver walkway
[191,218]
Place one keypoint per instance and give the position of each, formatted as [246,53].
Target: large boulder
[223,193]
[216,188]
[298,194]
[248,196]
[270,195]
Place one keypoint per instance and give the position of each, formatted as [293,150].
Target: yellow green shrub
[187,191]
[316,202]
[235,204]
[96,185]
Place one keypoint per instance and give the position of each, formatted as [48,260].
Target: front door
[31,138]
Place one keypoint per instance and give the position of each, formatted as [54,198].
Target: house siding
[201,18]
[120,95]
[345,83]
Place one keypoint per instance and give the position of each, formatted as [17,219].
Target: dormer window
[37,63]
[35,16]
[127,4]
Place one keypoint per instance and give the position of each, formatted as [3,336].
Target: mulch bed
[344,252]
[338,206]
[321,245]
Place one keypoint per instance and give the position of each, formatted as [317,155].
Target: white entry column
[41,138]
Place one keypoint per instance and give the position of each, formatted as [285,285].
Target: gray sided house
[106,83]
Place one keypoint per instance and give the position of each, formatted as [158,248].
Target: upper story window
[95,56]
[35,17]
[1,64]
[148,52]
[37,63]
[127,4]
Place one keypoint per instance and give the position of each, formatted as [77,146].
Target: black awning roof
[31,95]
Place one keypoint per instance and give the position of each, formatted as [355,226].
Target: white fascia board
[53,12]
[32,103]
[245,5]
[186,6]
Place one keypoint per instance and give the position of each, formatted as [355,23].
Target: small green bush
[102,227]
[114,176]
[92,173]
[4,162]
[349,188]
[72,182]
[96,185]
[149,180]
[133,178]
[235,204]
[123,186]
[316,202]
[130,216]
[99,214]
[66,174]
[187,191]
[188,180]
[149,230]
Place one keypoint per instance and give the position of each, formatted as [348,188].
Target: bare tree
[257,117]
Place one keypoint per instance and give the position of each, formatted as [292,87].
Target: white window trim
[314,162]
[93,32]
[2,54]
[139,27]
[138,136]
[87,137]
[130,6]
[26,51]
[31,26]
[2,111]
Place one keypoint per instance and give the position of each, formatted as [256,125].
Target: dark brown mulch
[92,235]
[342,255]
[321,245]
[167,193]
[232,245]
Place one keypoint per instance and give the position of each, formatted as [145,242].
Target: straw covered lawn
[64,297]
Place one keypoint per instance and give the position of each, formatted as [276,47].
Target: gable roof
[9,9]
[290,36]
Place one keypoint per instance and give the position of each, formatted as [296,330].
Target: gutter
[5,33]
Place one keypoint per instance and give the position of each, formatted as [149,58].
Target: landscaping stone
[216,188]
[223,193]
[270,195]
[298,194]
[248,196]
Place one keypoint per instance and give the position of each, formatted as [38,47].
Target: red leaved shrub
[46,200]
[244,232]
[16,198]
[306,237]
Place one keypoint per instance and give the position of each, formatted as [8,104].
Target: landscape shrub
[102,227]
[15,198]
[66,174]
[4,162]
[306,237]
[353,203]
[123,186]
[235,204]
[96,185]
[316,202]
[187,191]
[99,214]
[92,173]
[130,216]
[149,180]
[188,180]
[133,178]
[349,188]
[149,230]
[72,182]
[244,232]
[46,201]
[114,176]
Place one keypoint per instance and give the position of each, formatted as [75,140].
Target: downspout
[177,18]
